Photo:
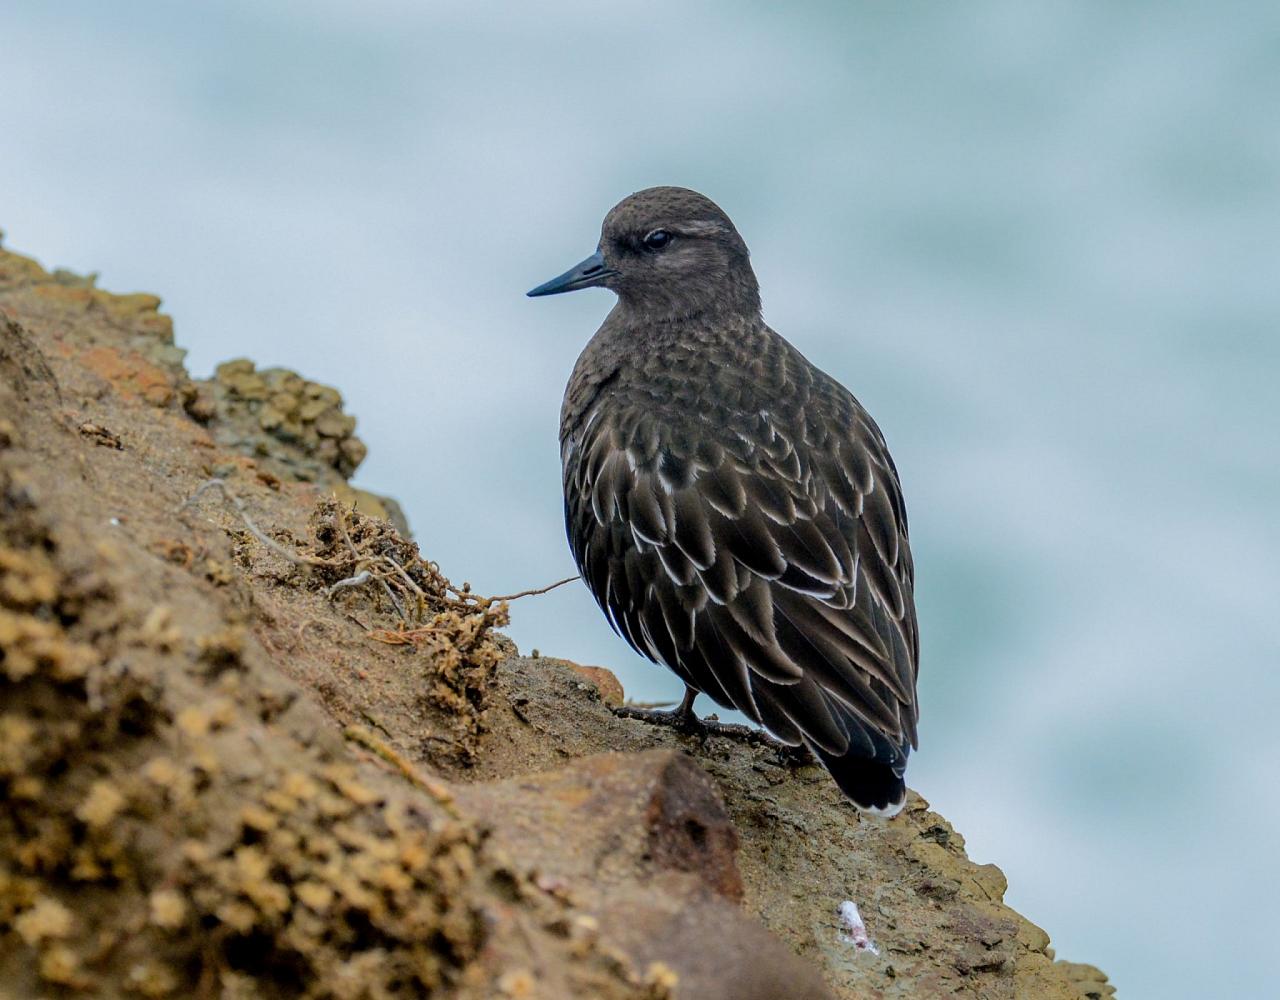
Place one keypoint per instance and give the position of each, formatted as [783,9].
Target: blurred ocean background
[1041,242]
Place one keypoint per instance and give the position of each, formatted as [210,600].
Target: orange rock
[130,373]
[602,680]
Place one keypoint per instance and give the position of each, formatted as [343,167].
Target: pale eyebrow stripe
[697,228]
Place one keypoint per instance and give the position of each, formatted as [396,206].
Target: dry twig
[532,593]
[230,497]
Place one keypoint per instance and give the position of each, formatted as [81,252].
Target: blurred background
[1040,242]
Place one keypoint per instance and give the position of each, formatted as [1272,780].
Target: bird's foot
[788,756]
[682,721]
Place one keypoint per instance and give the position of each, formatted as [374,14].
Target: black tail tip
[870,785]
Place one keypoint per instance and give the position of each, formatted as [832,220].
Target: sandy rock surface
[253,743]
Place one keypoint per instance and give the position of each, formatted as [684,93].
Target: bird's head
[668,253]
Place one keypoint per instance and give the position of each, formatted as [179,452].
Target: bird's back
[736,514]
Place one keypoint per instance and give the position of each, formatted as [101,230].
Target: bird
[733,509]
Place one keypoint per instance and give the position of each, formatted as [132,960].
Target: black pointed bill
[587,274]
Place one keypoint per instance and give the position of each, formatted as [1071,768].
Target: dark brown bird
[733,509]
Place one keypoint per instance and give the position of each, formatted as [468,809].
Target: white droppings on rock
[855,931]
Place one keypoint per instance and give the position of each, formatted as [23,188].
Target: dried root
[450,625]
[238,506]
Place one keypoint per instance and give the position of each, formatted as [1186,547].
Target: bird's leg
[681,719]
[684,720]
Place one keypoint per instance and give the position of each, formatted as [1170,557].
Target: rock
[232,767]
[937,918]
[603,680]
[1089,980]
[305,416]
[643,842]
[712,948]
[615,818]
[180,817]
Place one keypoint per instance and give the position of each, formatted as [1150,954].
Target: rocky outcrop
[252,743]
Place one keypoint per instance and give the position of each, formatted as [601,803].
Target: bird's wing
[768,567]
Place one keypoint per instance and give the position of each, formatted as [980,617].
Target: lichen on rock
[190,816]
[281,404]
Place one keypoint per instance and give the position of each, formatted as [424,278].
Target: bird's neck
[639,333]
[673,357]
[732,299]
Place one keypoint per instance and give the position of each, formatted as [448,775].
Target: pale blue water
[1039,241]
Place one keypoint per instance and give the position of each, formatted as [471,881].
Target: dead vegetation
[451,627]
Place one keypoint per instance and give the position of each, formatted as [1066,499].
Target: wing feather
[643,509]
[751,543]
[692,533]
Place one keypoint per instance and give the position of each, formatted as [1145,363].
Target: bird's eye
[657,239]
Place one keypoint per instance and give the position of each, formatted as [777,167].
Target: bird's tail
[872,786]
[872,772]
[868,766]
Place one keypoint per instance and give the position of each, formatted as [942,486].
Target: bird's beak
[587,274]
